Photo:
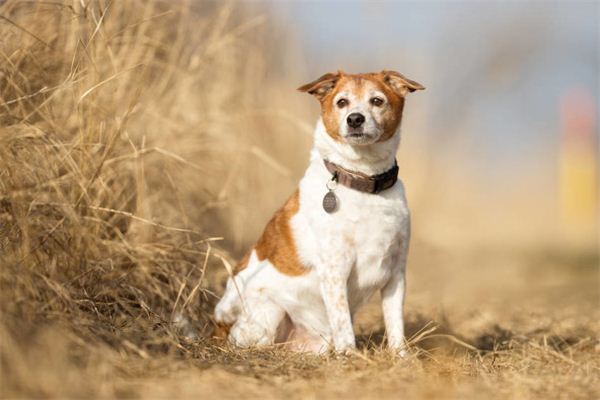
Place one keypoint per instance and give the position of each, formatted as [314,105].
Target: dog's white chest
[365,231]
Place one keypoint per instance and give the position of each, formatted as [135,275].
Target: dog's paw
[345,352]
[249,334]
[399,351]
[345,345]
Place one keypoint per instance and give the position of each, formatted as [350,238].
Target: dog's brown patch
[324,89]
[393,112]
[277,243]
[328,108]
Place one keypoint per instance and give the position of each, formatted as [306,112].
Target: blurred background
[501,148]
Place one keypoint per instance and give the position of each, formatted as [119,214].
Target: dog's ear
[320,87]
[399,83]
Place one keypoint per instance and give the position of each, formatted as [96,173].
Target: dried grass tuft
[107,110]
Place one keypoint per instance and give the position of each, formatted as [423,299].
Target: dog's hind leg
[258,324]
[230,306]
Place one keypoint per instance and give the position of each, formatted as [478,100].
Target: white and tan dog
[340,237]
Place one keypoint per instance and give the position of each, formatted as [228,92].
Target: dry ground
[130,136]
[511,330]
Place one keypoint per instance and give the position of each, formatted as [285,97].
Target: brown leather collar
[362,182]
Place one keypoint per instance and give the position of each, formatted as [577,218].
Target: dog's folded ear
[399,83]
[320,87]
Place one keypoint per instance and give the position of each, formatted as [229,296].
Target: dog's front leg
[334,290]
[392,296]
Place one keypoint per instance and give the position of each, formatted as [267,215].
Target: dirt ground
[488,326]
[507,331]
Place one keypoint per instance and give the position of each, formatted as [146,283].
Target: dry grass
[129,131]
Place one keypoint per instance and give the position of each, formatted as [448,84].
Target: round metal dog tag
[330,202]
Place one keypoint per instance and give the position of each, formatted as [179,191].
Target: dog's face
[361,109]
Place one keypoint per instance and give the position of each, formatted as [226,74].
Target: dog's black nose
[355,120]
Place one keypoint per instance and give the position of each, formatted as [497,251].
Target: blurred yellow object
[578,186]
[578,182]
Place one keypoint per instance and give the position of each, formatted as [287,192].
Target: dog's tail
[220,330]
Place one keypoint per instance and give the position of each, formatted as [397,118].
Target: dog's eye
[376,101]
[341,103]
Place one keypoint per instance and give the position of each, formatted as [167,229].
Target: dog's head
[361,109]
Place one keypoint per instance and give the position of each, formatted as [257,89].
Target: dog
[343,235]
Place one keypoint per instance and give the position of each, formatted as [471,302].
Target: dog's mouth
[357,133]
[359,137]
